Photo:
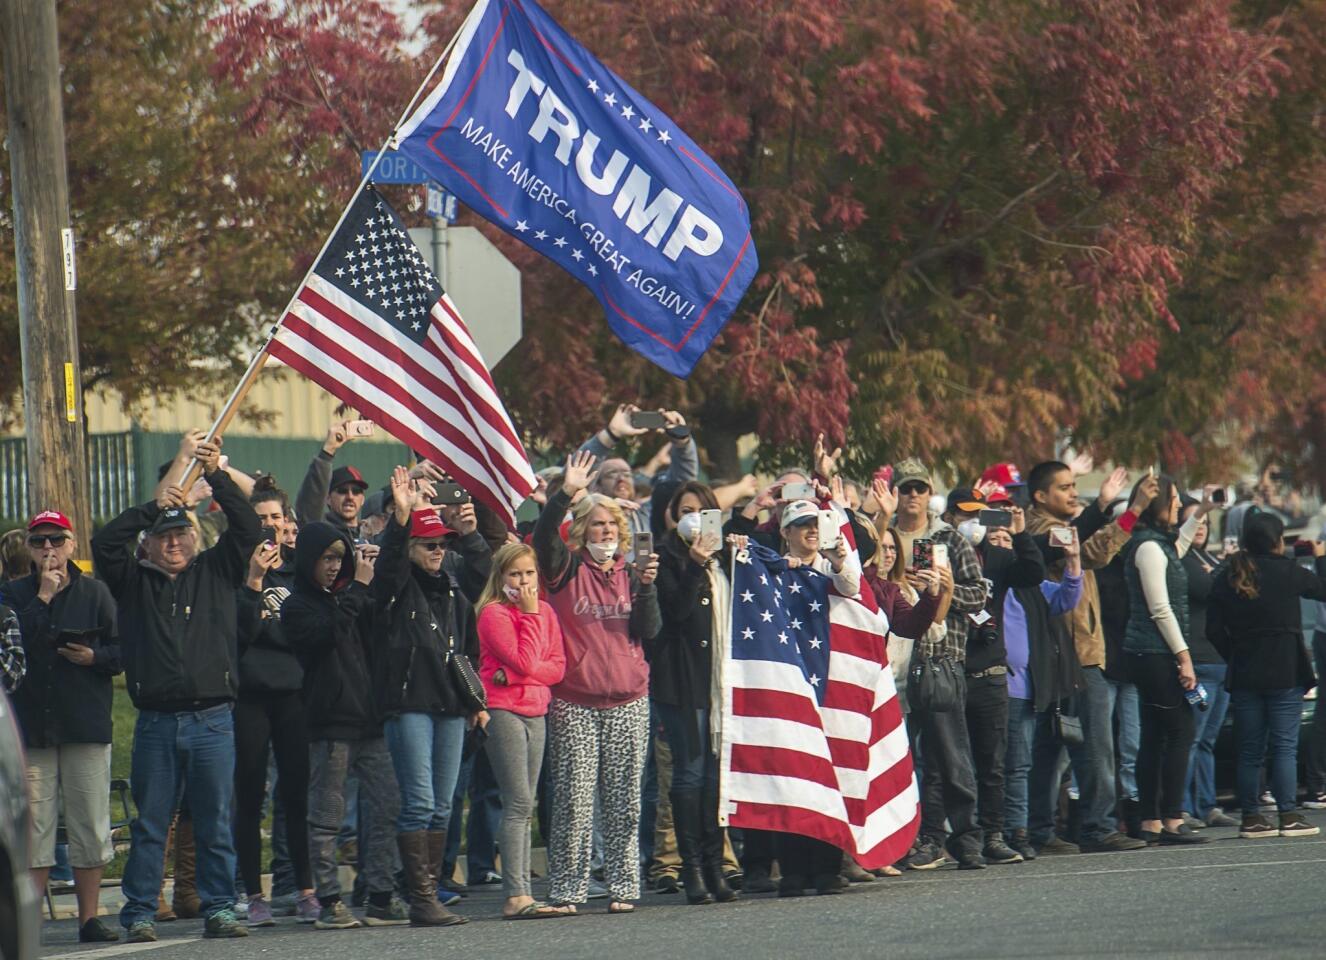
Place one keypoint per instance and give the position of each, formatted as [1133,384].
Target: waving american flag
[373,326]
[813,735]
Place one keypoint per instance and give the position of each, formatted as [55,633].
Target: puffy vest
[1141,634]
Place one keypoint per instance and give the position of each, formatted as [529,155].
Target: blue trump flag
[527,128]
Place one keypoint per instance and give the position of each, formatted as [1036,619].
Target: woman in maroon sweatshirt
[598,720]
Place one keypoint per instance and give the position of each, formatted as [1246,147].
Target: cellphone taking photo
[1302,548]
[711,526]
[923,554]
[994,518]
[359,428]
[1061,536]
[644,546]
[269,535]
[797,491]
[648,420]
[449,495]
[829,530]
[939,555]
[1218,495]
[1231,545]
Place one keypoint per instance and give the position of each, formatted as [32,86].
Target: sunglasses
[47,540]
[911,489]
[347,491]
[431,545]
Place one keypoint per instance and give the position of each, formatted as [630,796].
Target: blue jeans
[1262,716]
[694,765]
[1093,764]
[1201,761]
[176,754]
[1017,761]
[425,752]
[1128,715]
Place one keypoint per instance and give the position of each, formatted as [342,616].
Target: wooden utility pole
[44,251]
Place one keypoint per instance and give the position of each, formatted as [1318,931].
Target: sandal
[538,910]
[889,871]
[620,906]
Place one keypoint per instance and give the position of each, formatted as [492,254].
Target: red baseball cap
[427,525]
[51,518]
[997,493]
[1004,474]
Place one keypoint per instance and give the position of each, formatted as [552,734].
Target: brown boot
[164,913]
[425,911]
[185,900]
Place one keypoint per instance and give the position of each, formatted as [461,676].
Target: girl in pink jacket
[520,657]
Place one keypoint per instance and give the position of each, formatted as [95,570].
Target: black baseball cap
[170,519]
[965,500]
[347,476]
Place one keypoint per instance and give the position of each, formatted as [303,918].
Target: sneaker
[144,931]
[997,851]
[1057,846]
[1293,825]
[1218,818]
[260,914]
[666,884]
[241,907]
[285,905]
[1020,842]
[307,909]
[1316,801]
[97,930]
[928,856]
[393,914]
[597,891]
[336,916]
[1112,843]
[735,879]
[488,879]
[1192,822]
[446,896]
[1184,834]
[971,861]
[1267,800]
[223,925]
[1255,827]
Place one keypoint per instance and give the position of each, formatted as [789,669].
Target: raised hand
[264,557]
[1081,465]
[578,467]
[1146,491]
[703,549]
[620,424]
[825,463]
[885,496]
[649,572]
[337,435]
[461,518]
[189,444]
[208,453]
[403,494]
[540,492]
[1112,486]
[1019,520]
[836,493]
[172,496]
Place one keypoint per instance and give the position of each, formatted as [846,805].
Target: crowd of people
[362,662]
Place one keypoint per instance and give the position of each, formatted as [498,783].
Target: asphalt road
[1231,897]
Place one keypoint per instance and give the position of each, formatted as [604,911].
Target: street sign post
[439,204]
[393,168]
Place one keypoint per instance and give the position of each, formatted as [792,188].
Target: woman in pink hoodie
[520,657]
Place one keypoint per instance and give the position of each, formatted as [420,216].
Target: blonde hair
[580,514]
[15,561]
[503,560]
[336,548]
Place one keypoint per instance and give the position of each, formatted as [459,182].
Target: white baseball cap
[798,511]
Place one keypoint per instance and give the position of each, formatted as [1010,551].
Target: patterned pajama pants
[596,751]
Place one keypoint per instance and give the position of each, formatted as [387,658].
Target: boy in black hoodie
[323,619]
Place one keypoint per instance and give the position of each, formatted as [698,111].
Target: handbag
[935,684]
[1067,728]
[473,697]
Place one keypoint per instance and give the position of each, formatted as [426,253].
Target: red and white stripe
[841,772]
[437,396]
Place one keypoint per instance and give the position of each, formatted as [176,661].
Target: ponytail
[1263,536]
[1243,576]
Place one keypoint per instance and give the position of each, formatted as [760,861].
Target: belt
[998,670]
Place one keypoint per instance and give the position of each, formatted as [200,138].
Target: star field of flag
[373,260]
[781,614]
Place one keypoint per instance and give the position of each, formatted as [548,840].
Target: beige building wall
[301,408]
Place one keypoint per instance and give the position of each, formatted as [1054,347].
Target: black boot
[1132,818]
[711,847]
[686,822]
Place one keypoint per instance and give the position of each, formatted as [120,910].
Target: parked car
[20,918]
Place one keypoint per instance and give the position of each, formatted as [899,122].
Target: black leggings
[1168,729]
[275,719]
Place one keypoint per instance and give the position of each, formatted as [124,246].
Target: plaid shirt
[13,660]
[969,594]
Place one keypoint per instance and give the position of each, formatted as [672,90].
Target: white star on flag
[664,136]
[748,634]
[594,86]
[540,234]
[577,254]
[747,597]
[814,680]
[767,616]
[795,587]
[782,638]
[559,242]
[645,125]
[610,99]
[815,606]
[522,226]
[764,580]
[628,112]
[816,643]
[795,624]
[593,270]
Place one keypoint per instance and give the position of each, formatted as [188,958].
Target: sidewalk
[66,908]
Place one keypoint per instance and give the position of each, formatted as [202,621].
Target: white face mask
[602,552]
[972,531]
[688,527]
[512,593]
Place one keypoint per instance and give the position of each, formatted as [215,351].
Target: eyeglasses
[47,540]
[431,545]
[348,491]
[912,489]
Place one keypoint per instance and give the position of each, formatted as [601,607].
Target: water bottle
[1197,697]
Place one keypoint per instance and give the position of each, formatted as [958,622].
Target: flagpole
[194,470]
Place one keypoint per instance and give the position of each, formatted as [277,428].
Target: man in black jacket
[323,621]
[177,621]
[64,710]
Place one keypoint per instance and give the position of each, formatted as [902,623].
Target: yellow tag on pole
[70,398]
